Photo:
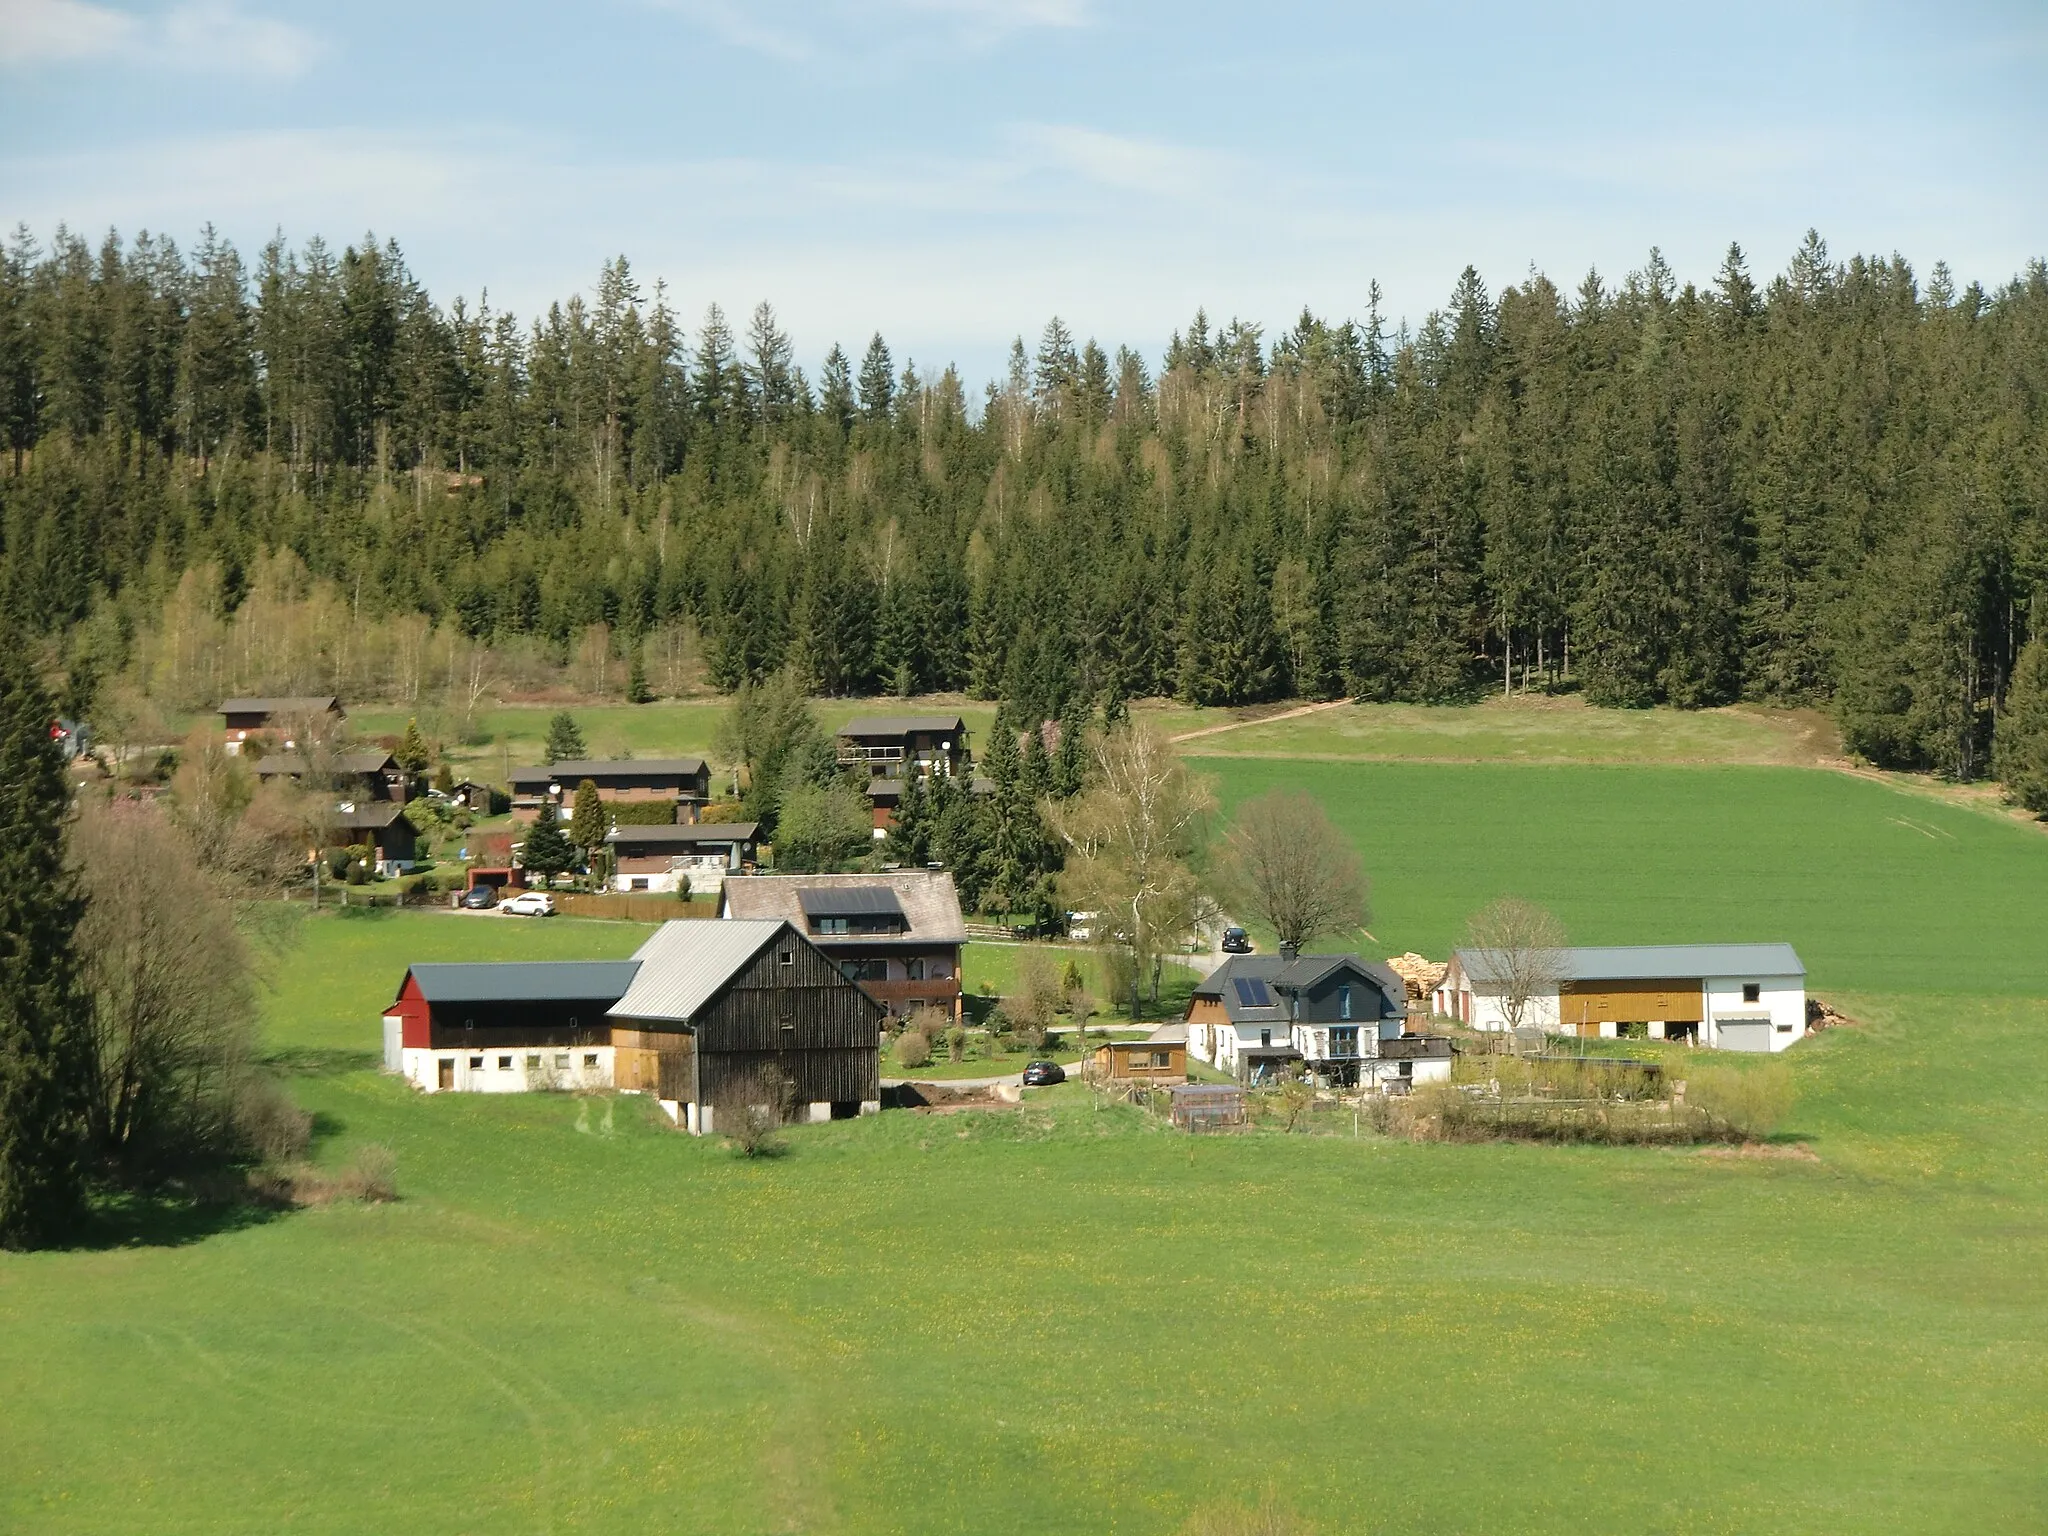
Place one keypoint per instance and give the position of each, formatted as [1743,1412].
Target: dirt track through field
[1285,714]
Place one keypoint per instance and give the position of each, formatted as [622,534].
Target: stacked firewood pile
[1421,976]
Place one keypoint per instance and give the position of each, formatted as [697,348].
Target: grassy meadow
[1068,1319]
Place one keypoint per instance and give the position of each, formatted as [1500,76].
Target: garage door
[1743,1034]
[1631,1002]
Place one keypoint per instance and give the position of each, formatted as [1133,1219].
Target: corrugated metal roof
[1658,962]
[685,963]
[526,981]
[902,725]
[668,833]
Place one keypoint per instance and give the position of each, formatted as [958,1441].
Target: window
[913,968]
[789,957]
[590,1061]
[1344,1002]
[476,1063]
[1162,1058]
[639,883]
[1265,1037]
[1752,992]
[864,970]
[1343,1042]
[562,1062]
[533,1063]
[504,1063]
[1251,992]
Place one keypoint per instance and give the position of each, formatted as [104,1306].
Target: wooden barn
[505,1027]
[722,1017]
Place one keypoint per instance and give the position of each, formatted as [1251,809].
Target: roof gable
[903,725]
[686,962]
[571,770]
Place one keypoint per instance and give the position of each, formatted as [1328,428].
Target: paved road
[1015,1079]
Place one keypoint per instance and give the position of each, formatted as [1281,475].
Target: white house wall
[1782,998]
[422,1069]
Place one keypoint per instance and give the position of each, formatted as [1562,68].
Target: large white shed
[1735,997]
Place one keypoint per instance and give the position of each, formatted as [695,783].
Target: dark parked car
[1042,1074]
[1236,942]
[480,898]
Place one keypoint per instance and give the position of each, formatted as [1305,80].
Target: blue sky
[951,172]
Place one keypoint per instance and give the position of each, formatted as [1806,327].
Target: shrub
[642,813]
[753,1132]
[913,1049]
[371,1175]
[1753,1101]
[275,1128]
[956,1043]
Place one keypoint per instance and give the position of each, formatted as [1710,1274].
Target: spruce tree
[412,753]
[548,851]
[588,821]
[637,691]
[565,740]
[2020,747]
[42,1045]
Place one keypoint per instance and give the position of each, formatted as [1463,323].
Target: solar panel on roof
[849,901]
[1252,993]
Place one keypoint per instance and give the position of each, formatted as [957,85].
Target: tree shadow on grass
[171,1218]
[320,1061]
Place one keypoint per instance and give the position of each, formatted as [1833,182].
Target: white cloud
[807,31]
[35,31]
[198,36]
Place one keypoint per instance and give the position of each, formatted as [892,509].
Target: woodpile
[1422,976]
[1822,1015]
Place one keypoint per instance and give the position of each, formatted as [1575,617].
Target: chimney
[1290,951]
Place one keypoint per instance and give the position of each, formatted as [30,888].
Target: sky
[953,172]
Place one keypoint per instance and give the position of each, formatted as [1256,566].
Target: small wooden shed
[1162,1057]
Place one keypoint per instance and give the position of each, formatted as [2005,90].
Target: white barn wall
[422,1069]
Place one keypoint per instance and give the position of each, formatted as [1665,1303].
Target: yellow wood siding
[1592,1003]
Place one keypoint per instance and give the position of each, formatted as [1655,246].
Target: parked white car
[529,904]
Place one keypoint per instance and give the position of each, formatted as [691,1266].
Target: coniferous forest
[1826,487]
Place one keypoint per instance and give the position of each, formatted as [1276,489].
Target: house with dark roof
[891,750]
[506,1027]
[899,933]
[683,781]
[380,823]
[278,719]
[1736,997]
[369,775]
[1255,1015]
[693,856]
[712,1019]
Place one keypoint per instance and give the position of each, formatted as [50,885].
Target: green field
[1530,729]
[1069,1320]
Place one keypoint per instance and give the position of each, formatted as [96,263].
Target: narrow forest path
[1238,725]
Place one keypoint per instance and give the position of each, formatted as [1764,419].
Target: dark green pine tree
[637,691]
[41,1043]
[548,851]
[910,837]
[565,740]
[1035,773]
[1070,762]
[877,381]
[2020,747]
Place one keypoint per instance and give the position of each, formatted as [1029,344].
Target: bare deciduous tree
[171,1002]
[1129,836]
[1286,864]
[1519,947]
